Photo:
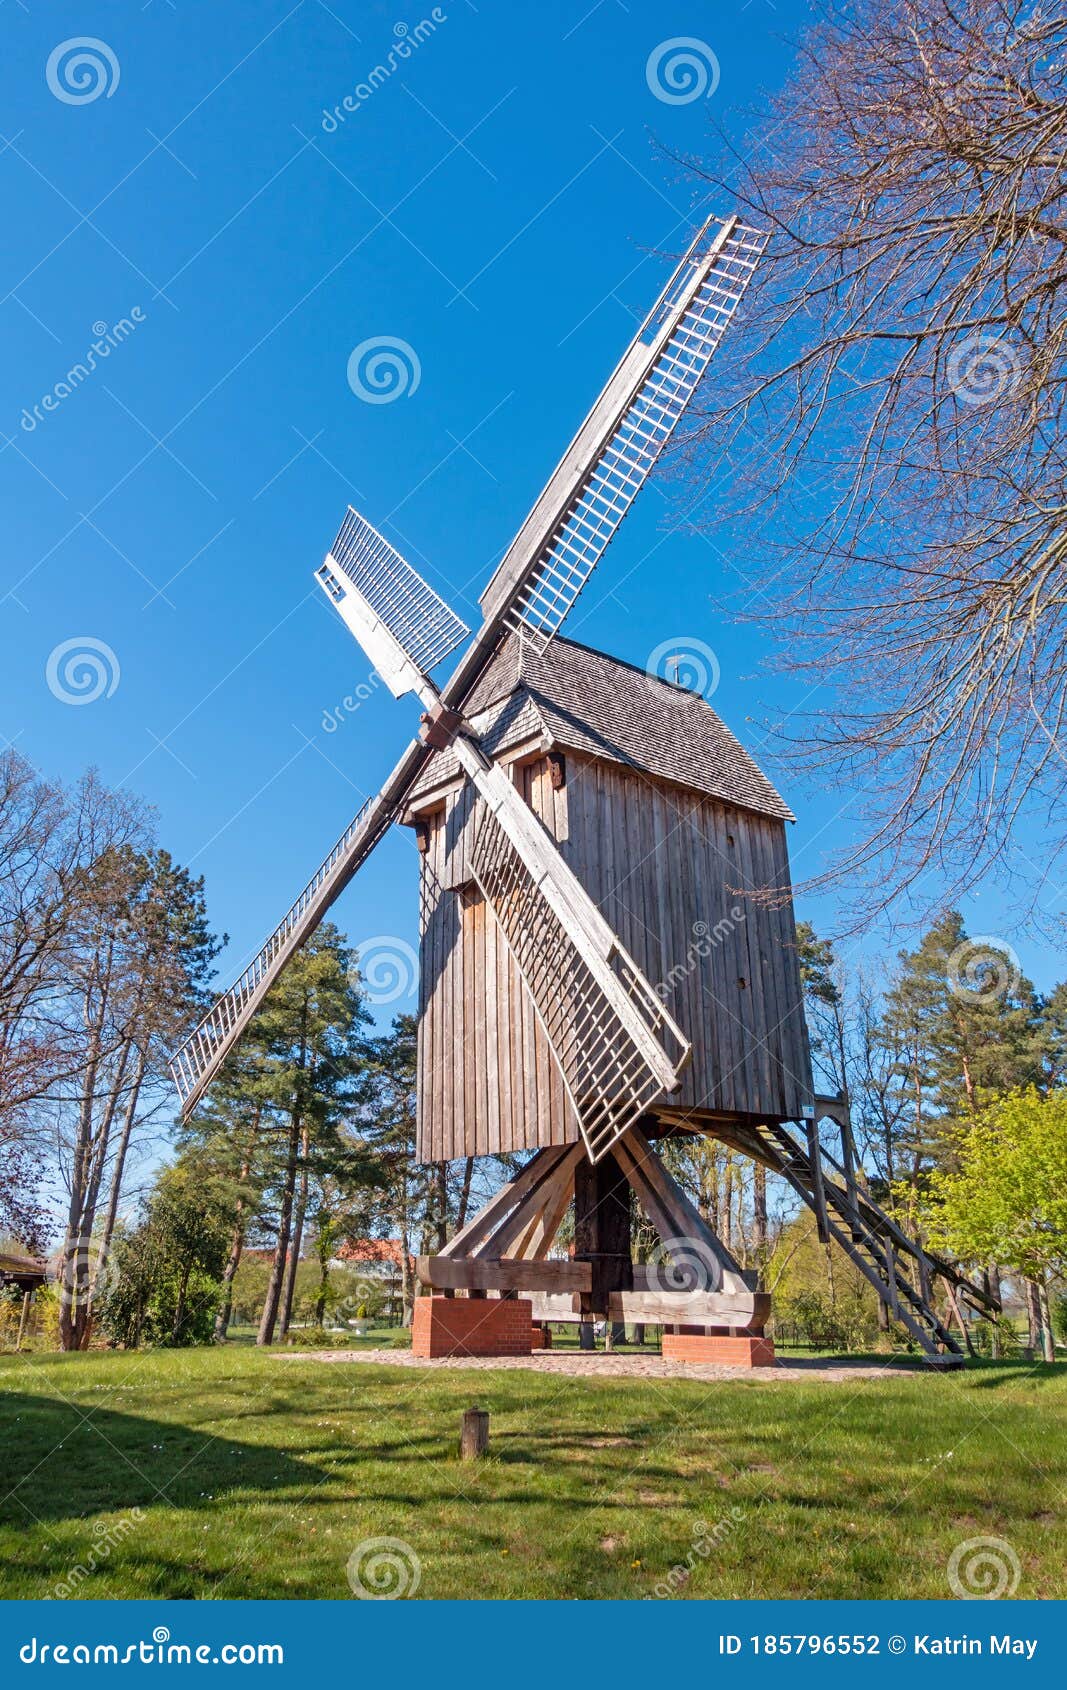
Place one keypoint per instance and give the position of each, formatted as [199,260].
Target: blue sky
[496,204]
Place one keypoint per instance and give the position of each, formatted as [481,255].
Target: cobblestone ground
[602,1366]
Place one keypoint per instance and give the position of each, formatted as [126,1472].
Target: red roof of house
[372,1250]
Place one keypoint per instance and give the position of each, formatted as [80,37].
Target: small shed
[679,838]
[26,1274]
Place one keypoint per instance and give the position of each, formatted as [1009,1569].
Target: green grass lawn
[257,1476]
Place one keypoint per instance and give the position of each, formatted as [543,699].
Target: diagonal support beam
[671,1212]
[481,1226]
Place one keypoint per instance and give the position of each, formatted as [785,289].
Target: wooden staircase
[847,1214]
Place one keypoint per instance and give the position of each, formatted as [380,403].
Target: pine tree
[390,1127]
[309,1074]
[965,1022]
[224,1139]
[1052,1026]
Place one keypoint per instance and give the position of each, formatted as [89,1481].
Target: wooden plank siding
[673,872]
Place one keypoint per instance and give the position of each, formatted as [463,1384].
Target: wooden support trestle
[697,1288]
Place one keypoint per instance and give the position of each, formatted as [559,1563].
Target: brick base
[542,1338]
[727,1352]
[471,1326]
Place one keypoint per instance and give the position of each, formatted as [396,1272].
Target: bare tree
[49,836]
[897,415]
[139,954]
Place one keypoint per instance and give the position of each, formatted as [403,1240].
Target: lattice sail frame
[629,456]
[607,1075]
[402,623]
[216,1033]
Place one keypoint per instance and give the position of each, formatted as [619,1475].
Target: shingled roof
[583,700]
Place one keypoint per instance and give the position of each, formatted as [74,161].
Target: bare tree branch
[898,422]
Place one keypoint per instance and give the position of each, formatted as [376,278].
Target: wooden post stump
[474,1434]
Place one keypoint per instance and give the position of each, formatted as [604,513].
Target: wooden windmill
[595,971]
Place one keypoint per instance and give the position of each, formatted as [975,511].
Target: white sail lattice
[629,456]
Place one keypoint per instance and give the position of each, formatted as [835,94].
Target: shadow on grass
[64,1462]
[989,1375]
[978,1369]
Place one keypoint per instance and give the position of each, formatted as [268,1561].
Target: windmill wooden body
[607,942]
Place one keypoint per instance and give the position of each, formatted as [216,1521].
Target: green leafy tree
[389,1124]
[824,1003]
[1053,1037]
[1006,1199]
[820,1292]
[166,1278]
[421,1204]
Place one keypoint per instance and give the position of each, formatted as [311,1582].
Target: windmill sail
[618,1049]
[404,627]
[195,1064]
[615,450]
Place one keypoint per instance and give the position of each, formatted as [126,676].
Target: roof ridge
[617,662]
[591,701]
